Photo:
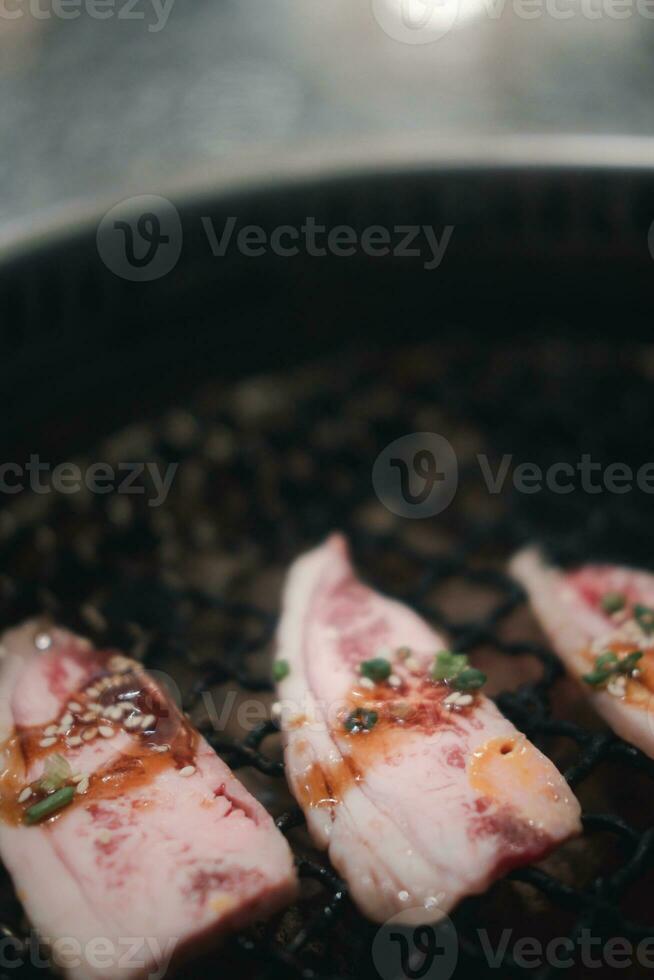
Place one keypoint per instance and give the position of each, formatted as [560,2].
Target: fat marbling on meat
[600,619]
[418,788]
[130,843]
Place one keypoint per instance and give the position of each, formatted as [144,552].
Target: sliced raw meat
[420,790]
[129,841]
[600,620]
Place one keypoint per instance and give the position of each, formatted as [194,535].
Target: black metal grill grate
[267,469]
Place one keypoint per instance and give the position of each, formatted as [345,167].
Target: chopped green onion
[469,680]
[607,665]
[597,677]
[281,669]
[613,602]
[56,773]
[628,663]
[48,806]
[447,665]
[377,669]
[360,720]
[645,618]
[454,668]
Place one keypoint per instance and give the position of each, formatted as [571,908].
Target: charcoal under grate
[268,468]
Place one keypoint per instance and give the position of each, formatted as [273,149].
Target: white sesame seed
[78,777]
[187,771]
[73,741]
[617,686]
[67,720]
[107,731]
[42,641]
[115,712]
[148,722]
[452,698]
[74,706]
[160,748]
[45,743]
[395,681]
[119,663]
[367,682]
[89,734]
[134,721]
[25,795]
[95,707]
[83,785]
[50,730]
[88,716]
[413,665]
[465,700]
[63,730]
[92,692]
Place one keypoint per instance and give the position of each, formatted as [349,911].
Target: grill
[265,470]
[269,465]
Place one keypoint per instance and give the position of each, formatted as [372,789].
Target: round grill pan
[274,384]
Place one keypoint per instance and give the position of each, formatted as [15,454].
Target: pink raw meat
[161,850]
[438,798]
[574,609]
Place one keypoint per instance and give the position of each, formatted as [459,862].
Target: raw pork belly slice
[600,620]
[421,794]
[156,849]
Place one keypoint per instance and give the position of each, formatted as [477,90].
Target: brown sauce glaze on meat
[117,695]
[410,711]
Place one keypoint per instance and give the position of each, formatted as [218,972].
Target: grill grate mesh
[269,467]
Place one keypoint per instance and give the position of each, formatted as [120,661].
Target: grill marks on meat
[162,841]
[591,611]
[431,802]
